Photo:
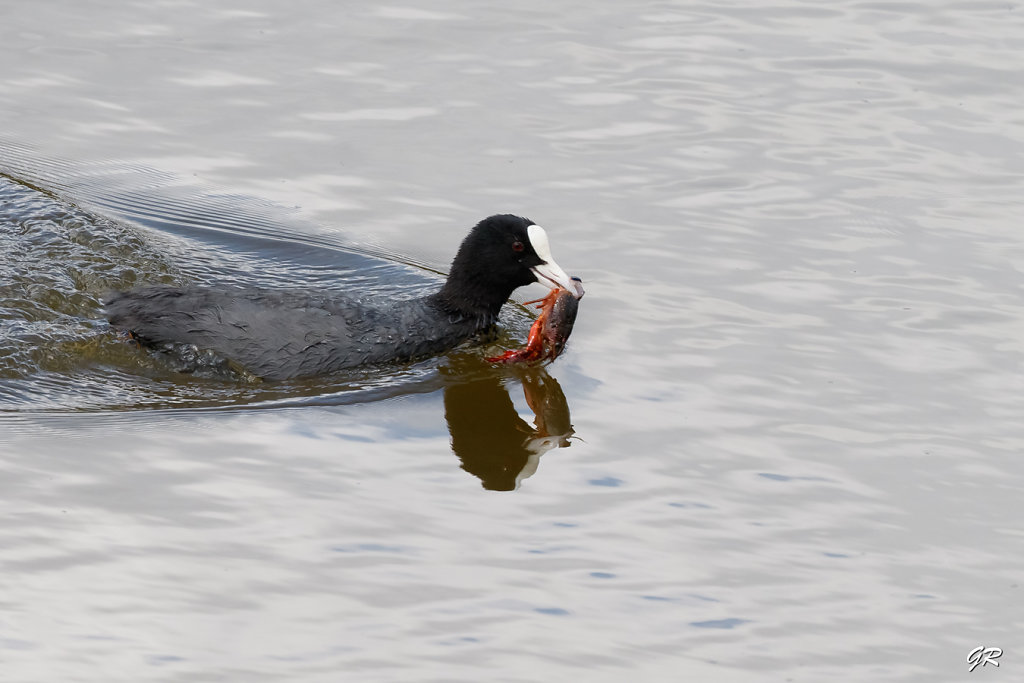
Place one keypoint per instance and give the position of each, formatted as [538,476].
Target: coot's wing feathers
[286,334]
[273,334]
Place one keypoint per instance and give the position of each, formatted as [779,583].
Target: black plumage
[282,334]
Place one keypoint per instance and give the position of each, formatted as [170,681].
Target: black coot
[287,334]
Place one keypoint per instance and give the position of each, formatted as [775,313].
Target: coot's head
[502,253]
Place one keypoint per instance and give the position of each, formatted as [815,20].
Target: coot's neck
[472,297]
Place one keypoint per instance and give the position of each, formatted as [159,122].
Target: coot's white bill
[549,272]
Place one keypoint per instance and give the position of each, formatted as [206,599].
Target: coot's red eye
[517,246]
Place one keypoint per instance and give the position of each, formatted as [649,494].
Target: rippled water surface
[784,443]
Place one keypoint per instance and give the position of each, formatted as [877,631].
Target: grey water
[784,443]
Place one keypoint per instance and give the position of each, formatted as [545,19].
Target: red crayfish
[551,329]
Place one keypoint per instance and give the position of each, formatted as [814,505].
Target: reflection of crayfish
[550,330]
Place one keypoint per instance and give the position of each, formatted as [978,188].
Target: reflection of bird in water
[493,442]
